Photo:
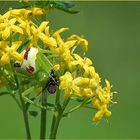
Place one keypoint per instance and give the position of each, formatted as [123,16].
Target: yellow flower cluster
[78,76]
[16,23]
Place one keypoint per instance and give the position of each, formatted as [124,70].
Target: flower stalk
[25,115]
[23,107]
[57,116]
[43,117]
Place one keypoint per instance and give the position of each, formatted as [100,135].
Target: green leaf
[61,5]
[64,6]
[23,45]
[77,99]
[43,63]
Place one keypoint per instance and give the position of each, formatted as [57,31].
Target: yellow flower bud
[56,67]
[98,116]
[108,113]
[80,41]
[38,11]
[87,92]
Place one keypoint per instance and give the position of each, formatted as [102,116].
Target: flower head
[67,84]
[10,52]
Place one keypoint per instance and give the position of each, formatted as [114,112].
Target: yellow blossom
[80,41]
[10,52]
[79,77]
[91,73]
[20,13]
[8,26]
[85,82]
[38,11]
[47,33]
[67,84]
[86,65]
[101,103]
[104,94]
[102,112]
[87,92]
[107,93]
[57,36]
[5,16]
[25,25]
[37,33]
[56,67]
[82,62]
[63,48]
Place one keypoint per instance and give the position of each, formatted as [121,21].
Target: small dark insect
[52,83]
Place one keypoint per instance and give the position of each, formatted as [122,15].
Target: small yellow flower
[91,73]
[86,65]
[102,112]
[67,84]
[80,41]
[5,16]
[87,92]
[107,93]
[8,26]
[20,13]
[38,33]
[25,25]
[101,103]
[56,67]
[82,62]
[85,82]
[104,94]
[58,38]
[10,52]
[38,11]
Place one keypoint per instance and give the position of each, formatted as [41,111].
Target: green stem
[43,117]
[77,107]
[15,99]
[55,116]
[52,127]
[55,122]
[58,114]
[25,115]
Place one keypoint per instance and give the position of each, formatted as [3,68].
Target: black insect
[52,83]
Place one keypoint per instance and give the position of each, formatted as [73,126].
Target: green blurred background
[113,32]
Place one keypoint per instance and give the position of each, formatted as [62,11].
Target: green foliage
[61,5]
